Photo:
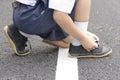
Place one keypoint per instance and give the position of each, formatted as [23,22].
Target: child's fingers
[90,46]
[95,37]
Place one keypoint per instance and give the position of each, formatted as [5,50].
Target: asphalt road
[41,64]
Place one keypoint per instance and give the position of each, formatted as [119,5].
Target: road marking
[67,68]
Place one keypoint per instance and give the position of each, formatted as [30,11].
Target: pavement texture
[41,64]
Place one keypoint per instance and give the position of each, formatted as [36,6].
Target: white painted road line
[67,68]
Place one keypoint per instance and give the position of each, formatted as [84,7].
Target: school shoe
[80,52]
[16,40]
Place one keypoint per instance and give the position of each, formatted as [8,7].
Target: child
[54,22]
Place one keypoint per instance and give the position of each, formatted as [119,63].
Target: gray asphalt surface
[41,64]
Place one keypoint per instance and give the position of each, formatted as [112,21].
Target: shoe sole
[91,56]
[12,43]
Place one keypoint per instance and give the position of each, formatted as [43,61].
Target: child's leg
[81,18]
[82,11]
[62,43]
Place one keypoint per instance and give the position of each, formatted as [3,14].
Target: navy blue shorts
[38,20]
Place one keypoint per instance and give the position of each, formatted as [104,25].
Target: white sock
[82,26]
[36,37]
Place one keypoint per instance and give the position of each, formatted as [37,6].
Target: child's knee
[65,46]
[62,44]
[68,40]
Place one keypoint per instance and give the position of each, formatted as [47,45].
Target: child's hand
[93,36]
[88,43]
